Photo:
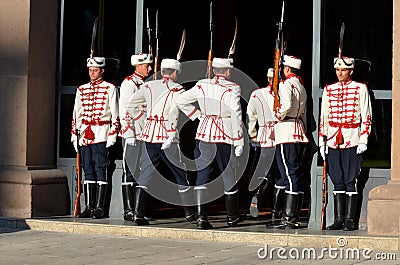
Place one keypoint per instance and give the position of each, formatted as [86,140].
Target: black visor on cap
[145,58]
[97,61]
[347,64]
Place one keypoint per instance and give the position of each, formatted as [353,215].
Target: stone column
[384,205]
[30,184]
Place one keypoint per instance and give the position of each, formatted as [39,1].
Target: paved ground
[39,247]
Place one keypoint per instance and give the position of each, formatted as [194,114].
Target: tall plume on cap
[183,41]
[94,32]
[341,40]
[233,46]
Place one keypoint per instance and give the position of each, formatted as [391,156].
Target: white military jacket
[345,111]
[260,110]
[161,112]
[129,127]
[219,110]
[95,113]
[291,113]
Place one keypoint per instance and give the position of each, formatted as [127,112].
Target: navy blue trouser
[95,162]
[276,174]
[152,158]
[289,160]
[131,162]
[262,171]
[344,166]
[209,154]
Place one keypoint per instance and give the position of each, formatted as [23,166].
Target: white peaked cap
[222,63]
[171,64]
[343,62]
[270,72]
[141,58]
[96,62]
[291,61]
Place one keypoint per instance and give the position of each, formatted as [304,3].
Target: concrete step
[252,230]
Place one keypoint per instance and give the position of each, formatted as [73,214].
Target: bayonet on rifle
[156,68]
[157,33]
[149,31]
[210,52]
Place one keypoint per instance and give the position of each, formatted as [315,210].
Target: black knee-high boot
[202,218]
[299,206]
[128,196]
[339,203]
[140,206]
[278,200]
[187,199]
[89,191]
[232,209]
[98,211]
[290,216]
[351,203]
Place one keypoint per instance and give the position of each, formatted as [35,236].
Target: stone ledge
[32,177]
[390,191]
[33,193]
[384,209]
[315,238]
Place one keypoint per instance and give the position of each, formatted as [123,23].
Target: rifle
[277,60]
[156,57]
[210,52]
[324,190]
[78,176]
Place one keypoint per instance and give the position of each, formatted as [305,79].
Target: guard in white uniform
[131,129]
[161,120]
[220,127]
[260,112]
[346,123]
[291,139]
[96,119]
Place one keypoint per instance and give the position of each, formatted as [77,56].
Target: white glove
[361,148]
[109,143]
[75,146]
[167,143]
[323,151]
[130,141]
[239,150]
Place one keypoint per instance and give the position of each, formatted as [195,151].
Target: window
[368,39]
[115,40]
